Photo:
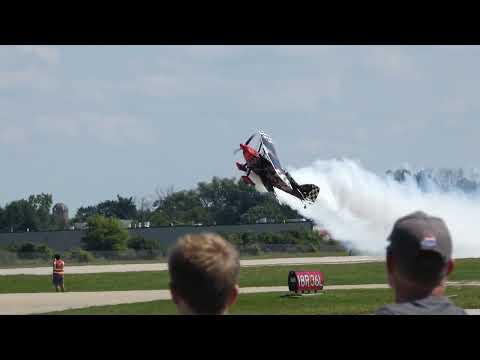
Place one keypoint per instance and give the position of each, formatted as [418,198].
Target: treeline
[220,201]
[32,214]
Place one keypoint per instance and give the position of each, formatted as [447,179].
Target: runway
[38,303]
[95,269]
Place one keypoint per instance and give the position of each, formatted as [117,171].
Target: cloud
[214,51]
[28,67]
[456,47]
[47,54]
[112,129]
[31,78]
[299,90]
[303,50]
[454,106]
[13,135]
[164,85]
[9,79]
[302,94]
[392,61]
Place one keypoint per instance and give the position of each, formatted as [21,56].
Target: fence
[68,239]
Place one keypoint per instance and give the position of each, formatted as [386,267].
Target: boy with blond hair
[204,273]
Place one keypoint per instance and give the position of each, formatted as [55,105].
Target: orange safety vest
[58,267]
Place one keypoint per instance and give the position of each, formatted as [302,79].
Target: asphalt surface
[38,303]
[94,269]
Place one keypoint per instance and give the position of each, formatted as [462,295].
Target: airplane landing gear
[247,180]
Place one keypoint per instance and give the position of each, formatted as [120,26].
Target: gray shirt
[431,305]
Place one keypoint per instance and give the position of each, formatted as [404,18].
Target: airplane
[265,164]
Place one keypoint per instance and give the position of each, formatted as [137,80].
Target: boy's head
[57,257]
[204,271]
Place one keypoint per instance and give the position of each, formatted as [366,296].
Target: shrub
[105,234]
[140,243]
[81,255]
[29,250]
[251,249]
[145,248]
[7,257]
[45,251]
[305,241]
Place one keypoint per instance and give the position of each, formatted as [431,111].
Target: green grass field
[335,302]
[338,274]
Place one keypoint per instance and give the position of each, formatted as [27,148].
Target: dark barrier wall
[68,239]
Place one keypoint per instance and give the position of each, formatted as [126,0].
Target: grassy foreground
[334,302]
[338,274]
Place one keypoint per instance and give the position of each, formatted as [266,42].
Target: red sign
[305,281]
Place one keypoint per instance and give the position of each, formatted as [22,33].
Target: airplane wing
[268,150]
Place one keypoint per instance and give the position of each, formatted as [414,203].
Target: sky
[86,123]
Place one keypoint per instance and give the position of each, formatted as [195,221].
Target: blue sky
[88,122]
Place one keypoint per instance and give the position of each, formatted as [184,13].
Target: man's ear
[173,293]
[390,263]
[449,266]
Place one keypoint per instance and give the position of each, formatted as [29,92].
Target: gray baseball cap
[419,232]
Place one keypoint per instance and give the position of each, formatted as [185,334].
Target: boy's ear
[234,295]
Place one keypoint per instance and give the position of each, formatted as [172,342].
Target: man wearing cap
[419,259]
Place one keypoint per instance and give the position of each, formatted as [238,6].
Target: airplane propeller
[246,143]
[249,139]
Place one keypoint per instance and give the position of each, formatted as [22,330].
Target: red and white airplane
[265,164]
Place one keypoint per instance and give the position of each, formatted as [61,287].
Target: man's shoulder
[432,305]
[391,309]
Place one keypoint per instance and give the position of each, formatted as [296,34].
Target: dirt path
[37,303]
[93,269]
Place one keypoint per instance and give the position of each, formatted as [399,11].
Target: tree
[20,215]
[262,211]
[105,234]
[122,208]
[33,214]
[181,207]
[42,205]
[144,209]
[226,200]
[83,213]
[3,220]
[159,218]
[233,202]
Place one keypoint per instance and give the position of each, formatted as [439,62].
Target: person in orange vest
[58,273]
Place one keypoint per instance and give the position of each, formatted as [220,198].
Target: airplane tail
[309,191]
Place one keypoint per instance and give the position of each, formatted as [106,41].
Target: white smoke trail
[360,207]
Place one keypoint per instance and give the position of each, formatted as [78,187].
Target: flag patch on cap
[428,242]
